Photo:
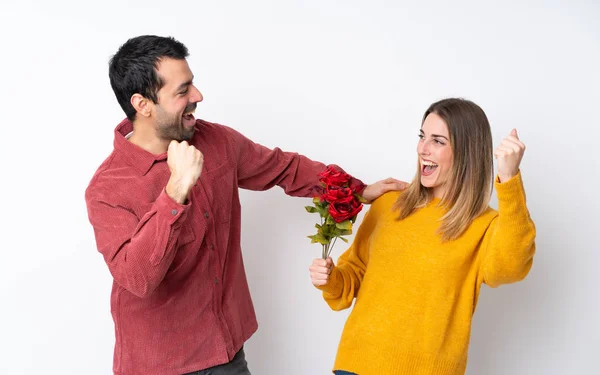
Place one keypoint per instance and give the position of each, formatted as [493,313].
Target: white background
[343,82]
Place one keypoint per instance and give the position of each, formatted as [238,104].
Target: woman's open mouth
[427,167]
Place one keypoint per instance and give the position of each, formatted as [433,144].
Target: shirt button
[174,212]
[212,247]
[206,214]
[216,280]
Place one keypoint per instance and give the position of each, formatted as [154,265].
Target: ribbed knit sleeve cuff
[511,193]
[335,285]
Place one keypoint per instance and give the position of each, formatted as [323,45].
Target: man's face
[176,101]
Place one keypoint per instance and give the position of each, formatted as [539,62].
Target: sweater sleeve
[347,276]
[509,242]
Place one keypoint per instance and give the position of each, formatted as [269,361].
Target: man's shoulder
[221,141]
[204,126]
[216,130]
[108,177]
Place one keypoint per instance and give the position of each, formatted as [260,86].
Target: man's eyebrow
[185,84]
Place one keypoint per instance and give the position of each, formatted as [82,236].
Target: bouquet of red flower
[338,207]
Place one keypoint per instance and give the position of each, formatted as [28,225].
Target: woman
[420,256]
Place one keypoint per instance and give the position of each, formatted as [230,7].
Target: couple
[165,211]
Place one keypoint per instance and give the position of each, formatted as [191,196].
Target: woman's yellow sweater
[415,295]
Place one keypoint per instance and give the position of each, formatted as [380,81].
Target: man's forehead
[173,71]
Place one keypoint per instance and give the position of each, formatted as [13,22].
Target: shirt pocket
[219,185]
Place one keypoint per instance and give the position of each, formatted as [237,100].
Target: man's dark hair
[133,69]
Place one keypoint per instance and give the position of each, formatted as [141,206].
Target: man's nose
[196,95]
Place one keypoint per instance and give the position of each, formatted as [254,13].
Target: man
[166,215]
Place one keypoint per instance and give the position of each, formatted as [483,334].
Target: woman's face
[435,154]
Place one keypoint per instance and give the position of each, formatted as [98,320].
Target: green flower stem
[331,247]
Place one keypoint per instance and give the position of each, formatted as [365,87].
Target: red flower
[345,208]
[335,193]
[337,202]
[331,176]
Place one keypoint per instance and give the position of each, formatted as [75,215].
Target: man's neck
[144,136]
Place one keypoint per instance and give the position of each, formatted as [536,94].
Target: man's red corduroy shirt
[180,299]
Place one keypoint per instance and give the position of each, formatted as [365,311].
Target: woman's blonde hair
[469,186]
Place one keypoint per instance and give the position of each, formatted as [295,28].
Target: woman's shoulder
[385,202]
[486,218]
